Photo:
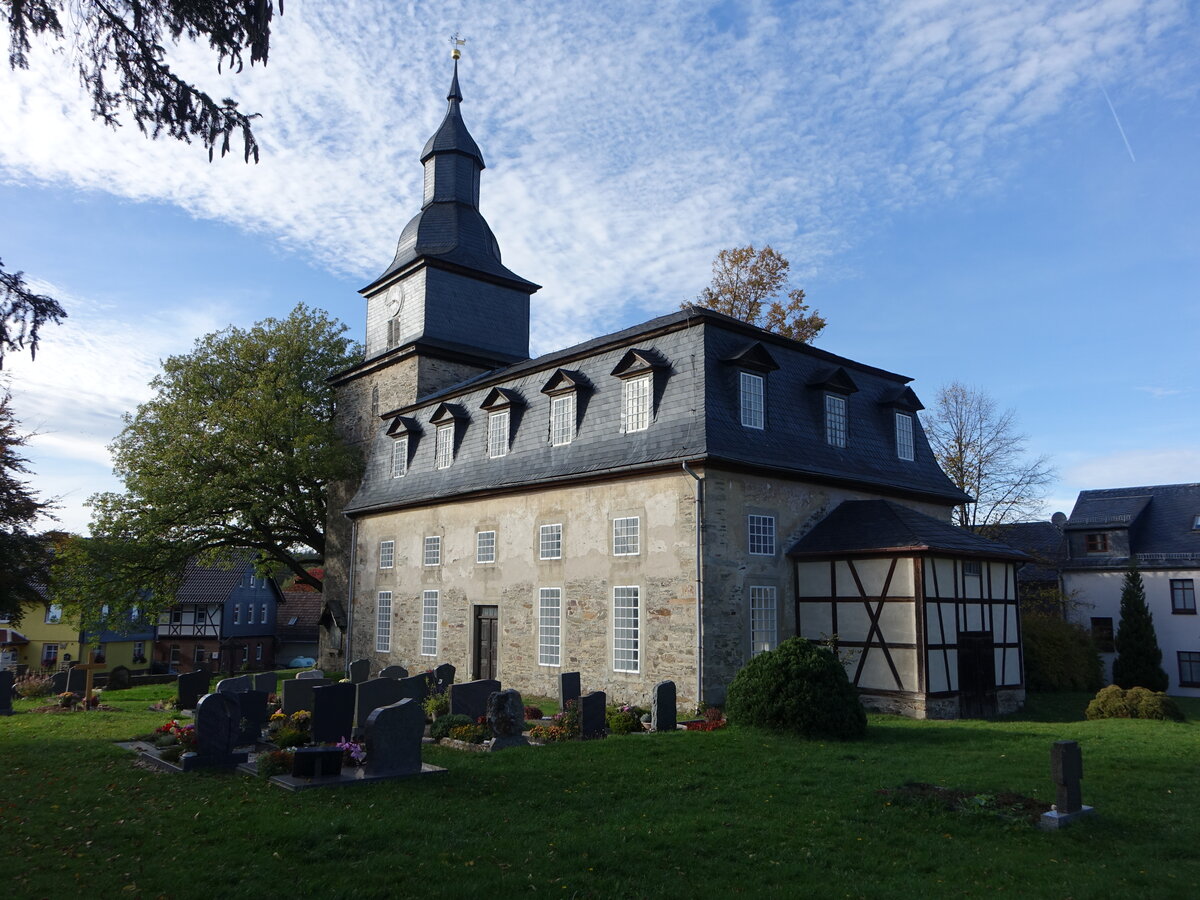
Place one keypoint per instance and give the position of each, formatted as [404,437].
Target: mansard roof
[1162,520]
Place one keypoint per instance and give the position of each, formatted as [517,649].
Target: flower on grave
[278,717]
[353,752]
[301,718]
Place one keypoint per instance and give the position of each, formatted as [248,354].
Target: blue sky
[948,179]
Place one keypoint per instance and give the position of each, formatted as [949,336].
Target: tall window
[444,449]
[245,653]
[258,653]
[399,457]
[904,436]
[387,554]
[485,546]
[636,410]
[139,651]
[550,542]
[249,613]
[237,613]
[1189,668]
[625,629]
[497,439]
[1183,596]
[627,536]
[764,634]
[549,626]
[383,622]
[49,655]
[562,419]
[752,400]
[262,614]
[429,623]
[198,654]
[174,655]
[1097,543]
[53,614]
[835,420]
[761,531]
[433,550]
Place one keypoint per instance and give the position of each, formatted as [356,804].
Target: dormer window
[563,388]
[1196,523]
[835,420]
[637,371]
[403,432]
[400,456]
[497,439]
[753,363]
[904,436]
[1097,543]
[837,386]
[444,452]
[751,400]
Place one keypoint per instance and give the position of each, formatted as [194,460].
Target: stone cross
[1066,767]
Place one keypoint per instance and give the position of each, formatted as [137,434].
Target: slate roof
[859,527]
[1160,520]
[1043,541]
[695,418]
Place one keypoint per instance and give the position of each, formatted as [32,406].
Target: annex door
[976,675]
[486,638]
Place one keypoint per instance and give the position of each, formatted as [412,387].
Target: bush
[623,719]
[30,686]
[1059,656]
[1114,702]
[470,734]
[290,737]
[436,705]
[274,762]
[441,728]
[533,712]
[798,688]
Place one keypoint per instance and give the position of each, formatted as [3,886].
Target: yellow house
[54,642]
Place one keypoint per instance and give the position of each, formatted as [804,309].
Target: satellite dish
[1059,519]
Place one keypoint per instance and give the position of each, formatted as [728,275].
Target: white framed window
[761,533]
[429,623]
[400,457]
[249,613]
[444,446]
[53,614]
[485,546]
[198,653]
[174,654]
[433,550]
[237,613]
[626,634]
[497,439]
[835,420]
[139,651]
[972,568]
[387,554]
[751,400]
[262,614]
[550,627]
[627,538]
[764,621]
[49,655]
[635,412]
[904,436]
[550,542]
[562,420]
[383,622]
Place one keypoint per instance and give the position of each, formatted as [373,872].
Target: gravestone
[316,762]
[443,677]
[118,679]
[358,671]
[217,717]
[253,717]
[333,713]
[506,716]
[591,714]
[662,707]
[470,697]
[76,680]
[192,686]
[568,688]
[1066,770]
[6,693]
[372,694]
[298,694]
[267,681]
[393,738]
[58,682]
[310,673]
[415,687]
[235,685]
[393,672]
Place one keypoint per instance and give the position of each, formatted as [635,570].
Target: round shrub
[1059,656]
[1114,702]
[533,712]
[441,728]
[623,719]
[798,688]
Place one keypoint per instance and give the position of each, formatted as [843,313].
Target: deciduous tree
[1139,660]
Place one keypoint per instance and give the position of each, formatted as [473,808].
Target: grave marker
[663,712]
[333,712]
[372,694]
[253,715]
[470,698]
[393,738]
[443,677]
[298,694]
[267,681]
[1066,770]
[6,693]
[568,688]
[234,685]
[393,672]
[359,671]
[118,679]
[506,716]
[591,715]
[217,717]
[415,687]
[192,686]
[310,673]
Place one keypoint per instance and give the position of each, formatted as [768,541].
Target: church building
[662,502]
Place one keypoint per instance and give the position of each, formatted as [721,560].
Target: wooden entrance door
[976,675]
[487,634]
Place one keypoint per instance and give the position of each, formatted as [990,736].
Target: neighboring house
[223,619]
[624,508]
[296,625]
[54,641]
[1039,581]
[1158,529]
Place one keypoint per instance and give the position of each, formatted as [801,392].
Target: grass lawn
[731,812]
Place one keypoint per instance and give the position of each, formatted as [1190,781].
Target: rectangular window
[835,420]
[198,654]
[973,567]
[549,626]
[1189,668]
[904,436]
[174,655]
[177,617]
[1183,596]
[433,550]
[627,536]
[562,420]
[249,613]
[387,554]
[550,542]
[237,613]
[383,622]
[139,651]
[258,652]
[444,452]
[399,457]
[761,531]
[262,614]
[497,438]
[1097,543]
[752,400]
[764,633]
[485,546]
[636,409]
[1102,634]
[625,629]
[49,655]
[245,653]
[53,614]
[429,623]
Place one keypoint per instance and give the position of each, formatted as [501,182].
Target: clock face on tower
[395,300]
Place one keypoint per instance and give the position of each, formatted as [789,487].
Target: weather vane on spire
[455,43]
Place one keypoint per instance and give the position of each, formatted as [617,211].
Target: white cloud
[1135,468]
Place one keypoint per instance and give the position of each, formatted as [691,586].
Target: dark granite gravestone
[506,716]
[310,673]
[443,677]
[192,686]
[1066,769]
[235,685]
[393,672]
[316,762]
[591,715]
[470,697]
[662,707]
[253,705]
[359,671]
[415,687]
[297,694]
[372,694]
[333,713]
[393,738]
[58,682]
[118,679]
[76,680]
[6,693]
[217,717]
[568,688]
[266,681]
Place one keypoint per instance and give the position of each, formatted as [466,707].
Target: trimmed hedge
[1114,702]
